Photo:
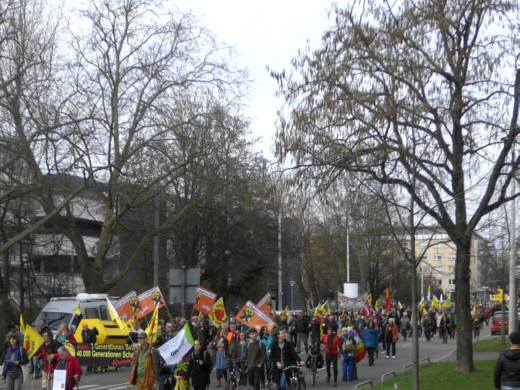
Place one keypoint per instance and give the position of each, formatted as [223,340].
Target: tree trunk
[463,306]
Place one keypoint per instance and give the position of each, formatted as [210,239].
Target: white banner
[174,350]
[60,378]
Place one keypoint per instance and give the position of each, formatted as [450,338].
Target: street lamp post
[292,283]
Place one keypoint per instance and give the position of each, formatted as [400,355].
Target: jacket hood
[512,354]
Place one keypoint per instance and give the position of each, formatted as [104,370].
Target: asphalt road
[434,350]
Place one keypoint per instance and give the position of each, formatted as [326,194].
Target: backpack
[348,345]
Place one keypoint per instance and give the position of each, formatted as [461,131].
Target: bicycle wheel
[294,383]
[301,383]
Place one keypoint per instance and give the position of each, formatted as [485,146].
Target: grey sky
[267,33]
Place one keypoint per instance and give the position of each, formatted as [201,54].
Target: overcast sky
[266,33]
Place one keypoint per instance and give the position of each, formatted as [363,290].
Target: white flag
[174,350]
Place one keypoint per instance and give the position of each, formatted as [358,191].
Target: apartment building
[438,259]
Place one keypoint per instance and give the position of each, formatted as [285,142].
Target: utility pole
[347,224]
[280,292]
[157,205]
[512,258]
[415,313]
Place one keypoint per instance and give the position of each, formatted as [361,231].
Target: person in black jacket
[199,367]
[507,368]
[282,355]
[302,332]
[315,331]
[89,336]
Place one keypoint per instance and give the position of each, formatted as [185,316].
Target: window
[438,257]
[104,313]
[452,256]
[439,282]
[452,282]
[91,312]
[424,269]
[451,269]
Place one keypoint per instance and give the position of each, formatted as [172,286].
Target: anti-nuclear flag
[266,304]
[22,324]
[148,301]
[173,350]
[32,339]
[153,326]
[435,302]
[218,312]
[252,316]
[115,317]
[204,300]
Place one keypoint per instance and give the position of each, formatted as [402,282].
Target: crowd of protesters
[254,355]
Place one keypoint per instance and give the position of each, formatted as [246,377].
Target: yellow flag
[153,326]
[22,324]
[447,304]
[32,340]
[421,304]
[399,306]
[218,312]
[77,309]
[376,306]
[328,310]
[435,302]
[343,313]
[115,317]
[429,291]
[283,316]
[475,311]
[370,299]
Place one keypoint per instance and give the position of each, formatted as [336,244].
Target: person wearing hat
[71,364]
[256,356]
[142,373]
[15,357]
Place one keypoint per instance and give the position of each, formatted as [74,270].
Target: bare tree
[436,69]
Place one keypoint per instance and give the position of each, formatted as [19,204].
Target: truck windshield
[52,319]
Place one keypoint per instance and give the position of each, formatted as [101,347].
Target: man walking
[302,332]
[142,373]
[255,356]
[332,344]
[507,368]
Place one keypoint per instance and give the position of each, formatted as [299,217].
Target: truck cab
[63,310]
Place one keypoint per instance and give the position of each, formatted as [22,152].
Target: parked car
[497,322]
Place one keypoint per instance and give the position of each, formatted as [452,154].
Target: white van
[59,310]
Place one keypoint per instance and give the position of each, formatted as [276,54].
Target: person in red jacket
[48,353]
[332,344]
[70,363]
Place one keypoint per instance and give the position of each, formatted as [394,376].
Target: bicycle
[237,375]
[314,362]
[295,378]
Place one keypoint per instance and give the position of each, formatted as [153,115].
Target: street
[435,351]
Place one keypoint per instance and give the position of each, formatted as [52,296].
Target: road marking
[406,345]
[85,386]
[118,386]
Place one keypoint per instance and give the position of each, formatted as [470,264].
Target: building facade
[438,255]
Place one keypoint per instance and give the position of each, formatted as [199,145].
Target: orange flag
[251,316]
[204,300]
[387,299]
[266,304]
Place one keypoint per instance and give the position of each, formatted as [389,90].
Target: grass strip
[444,375]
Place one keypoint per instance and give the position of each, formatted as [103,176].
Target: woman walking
[15,358]
[371,340]
[391,336]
